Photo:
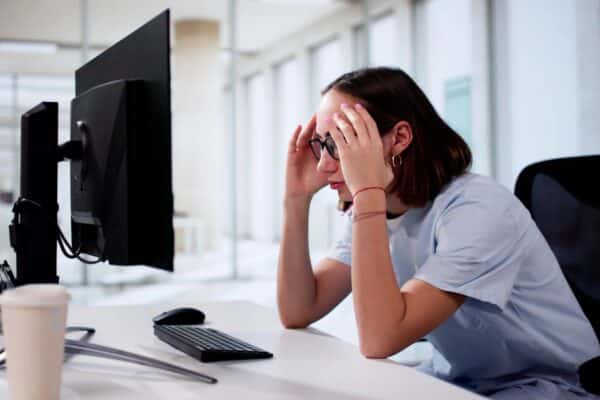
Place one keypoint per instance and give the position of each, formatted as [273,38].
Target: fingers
[307,132]
[357,122]
[339,139]
[294,139]
[368,120]
[346,129]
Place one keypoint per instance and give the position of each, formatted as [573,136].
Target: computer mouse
[180,316]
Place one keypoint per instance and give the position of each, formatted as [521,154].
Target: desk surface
[307,364]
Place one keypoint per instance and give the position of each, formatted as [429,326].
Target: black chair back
[563,197]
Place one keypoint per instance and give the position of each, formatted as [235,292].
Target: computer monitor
[120,152]
[121,194]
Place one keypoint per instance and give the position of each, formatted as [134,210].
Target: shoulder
[476,199]
[474,189]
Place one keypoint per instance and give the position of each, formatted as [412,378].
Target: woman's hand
[360,149]
[302,180]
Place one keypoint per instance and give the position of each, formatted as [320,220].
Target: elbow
[380,346]
[374,352]
[372,344]
[293,324]
[289,322]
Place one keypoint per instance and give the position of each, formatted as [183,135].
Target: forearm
[378,303]
[296,288]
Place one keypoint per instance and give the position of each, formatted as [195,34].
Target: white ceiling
[260,22]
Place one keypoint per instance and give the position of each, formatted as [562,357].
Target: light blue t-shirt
[520,329]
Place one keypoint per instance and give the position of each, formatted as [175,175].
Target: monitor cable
[65,247]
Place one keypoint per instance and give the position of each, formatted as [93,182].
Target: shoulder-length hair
[436,155]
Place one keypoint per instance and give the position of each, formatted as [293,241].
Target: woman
[430,249]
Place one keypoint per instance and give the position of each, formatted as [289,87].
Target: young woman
[430,249]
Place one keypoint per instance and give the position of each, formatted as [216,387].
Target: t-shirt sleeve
[476,252]
[341,249]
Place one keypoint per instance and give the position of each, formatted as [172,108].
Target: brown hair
[436,155]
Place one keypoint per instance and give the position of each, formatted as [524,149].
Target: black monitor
[120,152]
[33,231]
[121,194]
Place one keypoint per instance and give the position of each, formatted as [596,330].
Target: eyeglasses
[317,145]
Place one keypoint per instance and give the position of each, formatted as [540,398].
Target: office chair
[563,197]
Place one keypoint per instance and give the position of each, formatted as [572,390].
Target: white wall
[537,64]
[544,81]
[587,24]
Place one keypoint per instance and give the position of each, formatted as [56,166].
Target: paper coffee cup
[34,319]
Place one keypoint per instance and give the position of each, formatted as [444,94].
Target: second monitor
[121,190]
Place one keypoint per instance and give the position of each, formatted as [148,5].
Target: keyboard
[208,345]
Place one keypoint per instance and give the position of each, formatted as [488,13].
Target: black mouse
[180,316]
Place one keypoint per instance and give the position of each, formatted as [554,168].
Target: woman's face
[330,104]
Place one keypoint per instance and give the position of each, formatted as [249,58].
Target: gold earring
[396,160]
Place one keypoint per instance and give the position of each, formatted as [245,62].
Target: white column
[419,36]
[480,88]
[502,140]
[198,135]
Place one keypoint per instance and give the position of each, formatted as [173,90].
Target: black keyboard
[208,345]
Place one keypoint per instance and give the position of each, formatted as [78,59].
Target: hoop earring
[396,160]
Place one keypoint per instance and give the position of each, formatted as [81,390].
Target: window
[458,106]
[383,42]
[288,109]
[259,162]
[24,92]
[7,134]
[326,64]
[6,96]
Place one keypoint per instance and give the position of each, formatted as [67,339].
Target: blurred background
[518,79]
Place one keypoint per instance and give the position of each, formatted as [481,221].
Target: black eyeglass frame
[327,143]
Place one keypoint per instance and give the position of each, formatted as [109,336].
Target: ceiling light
[27,47]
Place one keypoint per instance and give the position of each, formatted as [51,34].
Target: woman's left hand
[360,149]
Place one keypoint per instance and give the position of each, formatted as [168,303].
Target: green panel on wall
[457,94]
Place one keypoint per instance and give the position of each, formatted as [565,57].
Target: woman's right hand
[302,180]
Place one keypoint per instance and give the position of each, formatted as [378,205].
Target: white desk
[307,363]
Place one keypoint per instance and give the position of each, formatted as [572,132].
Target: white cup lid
[35,295]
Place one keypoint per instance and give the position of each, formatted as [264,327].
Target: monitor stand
[34,228]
